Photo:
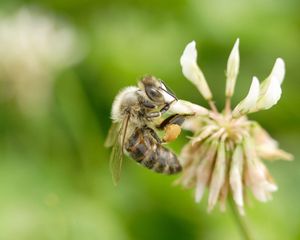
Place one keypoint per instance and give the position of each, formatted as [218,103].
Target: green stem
[212,106]
[240,221]
[228,105]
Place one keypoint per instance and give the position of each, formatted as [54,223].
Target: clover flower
[225,154]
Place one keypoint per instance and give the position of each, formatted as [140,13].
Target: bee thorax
[124,101]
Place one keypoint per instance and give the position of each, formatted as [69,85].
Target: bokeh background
[61,64]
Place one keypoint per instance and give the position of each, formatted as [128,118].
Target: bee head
[156,90]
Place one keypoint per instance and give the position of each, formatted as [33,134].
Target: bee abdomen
[137,146]
[152,155]
[165,161]
[138,151]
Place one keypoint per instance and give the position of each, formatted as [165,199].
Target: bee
[135,114]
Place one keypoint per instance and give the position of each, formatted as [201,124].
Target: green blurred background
[54,177]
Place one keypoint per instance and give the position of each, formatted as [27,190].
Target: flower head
[225,154]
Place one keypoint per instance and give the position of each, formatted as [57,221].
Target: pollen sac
[172,131]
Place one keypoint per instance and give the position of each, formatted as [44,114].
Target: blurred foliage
[54,176]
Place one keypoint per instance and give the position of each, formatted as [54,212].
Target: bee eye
[154,94]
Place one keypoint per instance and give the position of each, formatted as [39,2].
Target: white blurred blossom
[226,152]
[34,47]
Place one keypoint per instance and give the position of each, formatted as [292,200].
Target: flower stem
[240,221]
[228,105]
[212,105]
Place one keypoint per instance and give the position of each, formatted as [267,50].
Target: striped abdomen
[145,150]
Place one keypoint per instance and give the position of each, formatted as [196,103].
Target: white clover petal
[205,132]
[204,170]
[200,187]
[278,71]
[257,175]
[189,53]
[191,70]
[233,65]
[267,147]
[218,176]
[236,175]
[185,107]
[271,97]
[270,153]
[261,186]
[249,102]
[270,90]
[223,196]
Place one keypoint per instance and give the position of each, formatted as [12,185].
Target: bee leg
[147,104]
[158,114]
[152,115]
[166,107]
[161,111]
[173,119]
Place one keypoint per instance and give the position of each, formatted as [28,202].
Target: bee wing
[115,163]
[117,154]
[112,135]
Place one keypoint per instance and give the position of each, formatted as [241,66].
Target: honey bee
[135,114]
